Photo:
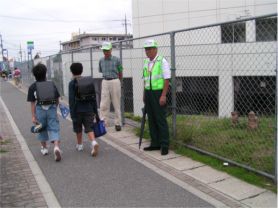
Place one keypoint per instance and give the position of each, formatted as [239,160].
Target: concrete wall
[158,16]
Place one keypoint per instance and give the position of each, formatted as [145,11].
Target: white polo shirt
[165,67]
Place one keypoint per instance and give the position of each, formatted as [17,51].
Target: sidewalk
[221,186]
[19,186]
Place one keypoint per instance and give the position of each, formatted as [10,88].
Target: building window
[197,95]
[254,93]
[114,38]
[266,29]
[128,92]
[103,38]
[233,33]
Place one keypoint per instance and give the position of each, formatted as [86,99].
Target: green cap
[106,46]
[150,44]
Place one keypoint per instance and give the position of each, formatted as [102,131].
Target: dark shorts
[83,119]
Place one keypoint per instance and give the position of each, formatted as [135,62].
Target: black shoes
[151,148]
[164,151]
[118,128]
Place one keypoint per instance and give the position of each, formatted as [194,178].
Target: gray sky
[46,22]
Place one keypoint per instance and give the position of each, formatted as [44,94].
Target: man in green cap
[111,69]
[156,73]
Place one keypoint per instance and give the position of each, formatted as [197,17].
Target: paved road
[110,180]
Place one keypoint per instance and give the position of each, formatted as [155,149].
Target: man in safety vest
[156,73]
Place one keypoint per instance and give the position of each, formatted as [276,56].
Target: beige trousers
[111,91]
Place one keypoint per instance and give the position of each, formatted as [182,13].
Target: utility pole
[20,53]
[125,28]
[2,48]
[60,43]
[125,24]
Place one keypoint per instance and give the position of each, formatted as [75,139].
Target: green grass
[254,148]
[132,117]
[2,143]
[3,151]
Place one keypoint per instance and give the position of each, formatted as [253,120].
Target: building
[86,40]
[237,61]
[159,16]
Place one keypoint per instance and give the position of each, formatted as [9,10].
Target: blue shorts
[47,116]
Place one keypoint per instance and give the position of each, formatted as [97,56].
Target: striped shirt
[110,67]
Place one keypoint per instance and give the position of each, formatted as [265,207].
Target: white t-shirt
[165,67]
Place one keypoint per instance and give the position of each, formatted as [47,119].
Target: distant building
[90,40]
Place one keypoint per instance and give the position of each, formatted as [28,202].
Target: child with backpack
[44,98]
[83,106]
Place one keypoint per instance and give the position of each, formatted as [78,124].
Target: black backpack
[46,93]
[85,89]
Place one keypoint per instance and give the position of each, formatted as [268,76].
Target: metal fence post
[173,84]
[91,61]
[276,120]
[61,80]
[49,69]
[72,57]
[122,87]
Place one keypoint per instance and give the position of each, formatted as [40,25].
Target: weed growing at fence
[132,117]
[254,148]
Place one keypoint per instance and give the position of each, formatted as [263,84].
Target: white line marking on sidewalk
[44,186]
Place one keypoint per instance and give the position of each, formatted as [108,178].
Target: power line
[209,15]
[204,10]
[55,33]
[39,34]
[194,17]
[57,20]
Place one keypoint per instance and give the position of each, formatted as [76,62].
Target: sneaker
[95,147]
[44,150]
[57,154]
[79,147]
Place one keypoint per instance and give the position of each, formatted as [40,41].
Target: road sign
[30,45]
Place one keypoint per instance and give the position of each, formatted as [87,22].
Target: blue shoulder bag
[99,127]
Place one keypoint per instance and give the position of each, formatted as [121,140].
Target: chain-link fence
[226,91]
[223,96]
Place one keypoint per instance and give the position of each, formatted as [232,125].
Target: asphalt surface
[112,179]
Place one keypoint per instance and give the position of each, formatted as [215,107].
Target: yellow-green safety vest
[153,80]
